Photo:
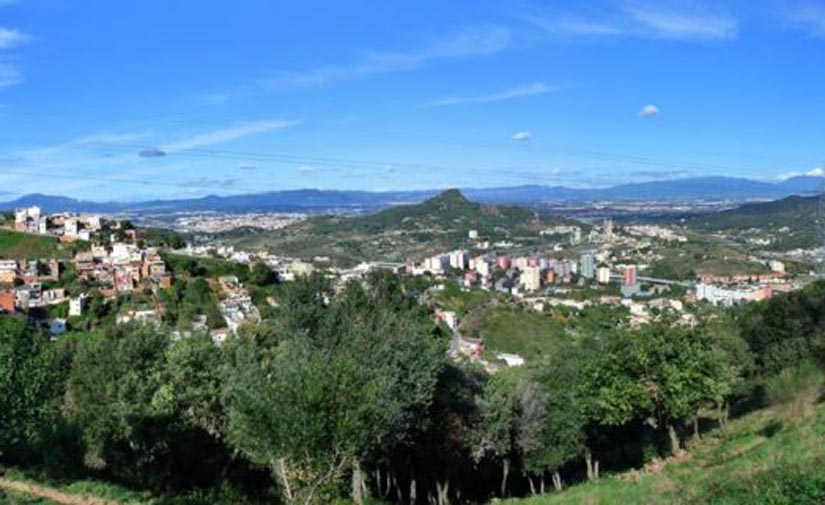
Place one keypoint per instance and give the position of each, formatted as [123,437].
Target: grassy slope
[756,461]
[702,256]
[16,245]
[524,332]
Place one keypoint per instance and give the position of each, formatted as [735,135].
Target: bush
[796,390]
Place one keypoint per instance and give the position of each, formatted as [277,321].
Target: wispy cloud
[695,22]
[225,134]
[661,173]
[209,182]
[10,38]
[808,16]
[110,138]
[663,20]
[465,42]
[526,90]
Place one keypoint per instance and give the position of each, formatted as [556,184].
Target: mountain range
[336,201]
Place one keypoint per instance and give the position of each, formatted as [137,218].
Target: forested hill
[449,210]
[790,222]
[438,224]
[794,211]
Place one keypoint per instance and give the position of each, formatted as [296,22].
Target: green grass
[525,332]
[115,493]
[756,460]
[22,499]
[16,245]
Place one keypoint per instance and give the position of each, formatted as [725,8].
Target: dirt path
[51,493]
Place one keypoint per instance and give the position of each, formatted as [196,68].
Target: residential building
[458,260]
[729,296]
[530,278]
[630,275]
[587,266]
[603,275]
[76,306]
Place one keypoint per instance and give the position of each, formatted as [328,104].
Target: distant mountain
[329,201]
[803,184]
[704,188]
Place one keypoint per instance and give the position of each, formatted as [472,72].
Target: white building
[480,265]
[511,359]
[719,295]
[603,275]
[458,260]
[76,305]
[71,227]
[530,278]
[776,266]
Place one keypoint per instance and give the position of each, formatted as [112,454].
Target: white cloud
[532,89]
[306,169]
[522,136]
[225,134]
[815,172]
[694,23]
[466,42]
[649,111]
[664,20]
[10,38]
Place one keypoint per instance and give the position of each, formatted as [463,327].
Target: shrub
[796,390]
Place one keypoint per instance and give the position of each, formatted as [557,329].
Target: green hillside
[401,232]
[797,214]
[16,245]
[758,459]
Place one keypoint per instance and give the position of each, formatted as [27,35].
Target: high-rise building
[588,266]
[603,275]
[608,229]
[458,260]
[630,276]
[530,278]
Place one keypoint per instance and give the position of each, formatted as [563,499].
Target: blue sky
[112,100]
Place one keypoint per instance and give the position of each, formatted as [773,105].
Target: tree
[498,427]
[262,275]
[140,422]
[661,372]
[30,383]
[562,436]
[348,378]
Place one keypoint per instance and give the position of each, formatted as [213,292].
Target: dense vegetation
[350,395]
